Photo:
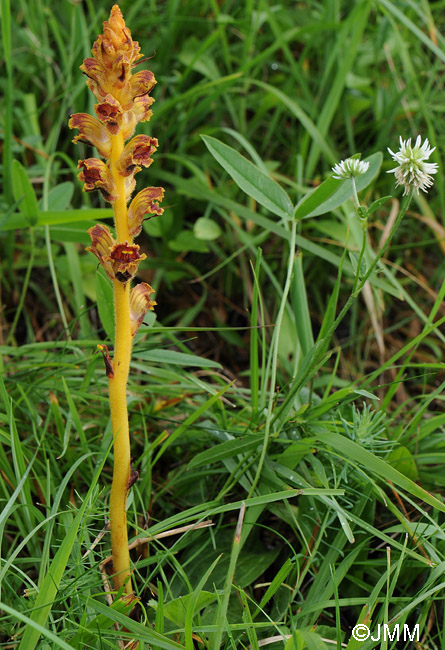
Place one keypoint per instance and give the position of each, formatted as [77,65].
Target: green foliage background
[334,459]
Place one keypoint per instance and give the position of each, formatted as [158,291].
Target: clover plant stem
[118,392]
[359,261]
[358,286]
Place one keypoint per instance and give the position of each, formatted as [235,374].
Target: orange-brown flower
[102,241]
[141,108]
[140,303]
[144,203]
[120,261]
[96,175]
[125,259]
[92,132]
[136,153]
[110,113]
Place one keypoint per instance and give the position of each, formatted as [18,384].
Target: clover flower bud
[350,168]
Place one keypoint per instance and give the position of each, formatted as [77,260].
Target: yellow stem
[118,392]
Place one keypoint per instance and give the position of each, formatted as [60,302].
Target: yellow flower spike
[144,203]
[123,101]
[140,303]
[136,153]
[92,132]
[95,175]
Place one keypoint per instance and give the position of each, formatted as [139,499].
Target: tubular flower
[144,203]
[120,261]
[136,153]
[125,260]
[92,132]
[110,114]
[140,303]
[96,175]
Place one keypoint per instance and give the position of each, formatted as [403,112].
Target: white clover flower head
[413,171]
[350,168]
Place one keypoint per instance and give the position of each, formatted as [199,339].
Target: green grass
[314,444]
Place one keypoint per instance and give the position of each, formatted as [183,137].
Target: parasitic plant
[123,100]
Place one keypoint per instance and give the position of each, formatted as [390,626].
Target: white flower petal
[412,171]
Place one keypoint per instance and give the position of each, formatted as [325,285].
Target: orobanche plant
[123,100]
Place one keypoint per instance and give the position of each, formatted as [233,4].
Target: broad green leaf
[56,217]
[187,241]
[176,358]
[59,197]
[176,609]
[332,193]
[250,179]
[206,229]
[105,304]
[72,232]
[376,204]
[24,192]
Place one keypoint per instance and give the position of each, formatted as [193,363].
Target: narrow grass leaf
[352,450]
[143,633]
[226,449]
[105,302]
[221,613]
[191,418]
[50,585]
[176,358]
[36,629]
[195,601]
